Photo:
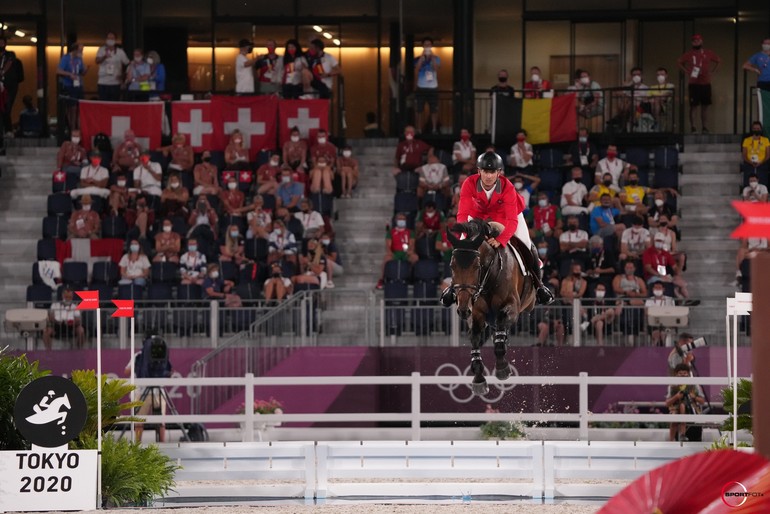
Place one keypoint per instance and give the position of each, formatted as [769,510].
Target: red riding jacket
[504,206]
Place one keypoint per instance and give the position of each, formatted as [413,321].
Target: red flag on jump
[756,220]
[90,300]
[125,309]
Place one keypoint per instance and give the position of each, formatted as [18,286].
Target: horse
[486,281]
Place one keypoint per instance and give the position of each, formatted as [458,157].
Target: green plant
[15,373]
[502,430]
[134,475]
[723,444]
[744,395]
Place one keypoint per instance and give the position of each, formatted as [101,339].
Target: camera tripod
[157,396]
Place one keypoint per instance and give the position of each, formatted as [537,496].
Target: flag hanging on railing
[254,116]
[114,118]
[307,115]
[546,120]
[193,119]
[763,101]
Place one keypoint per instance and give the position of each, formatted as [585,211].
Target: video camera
[697,343]
[153,360]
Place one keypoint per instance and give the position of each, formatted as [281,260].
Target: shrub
[15,374]
[502,430]
[744,396]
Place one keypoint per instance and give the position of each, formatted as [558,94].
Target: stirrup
[544,296]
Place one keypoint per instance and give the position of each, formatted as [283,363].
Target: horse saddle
[522,254]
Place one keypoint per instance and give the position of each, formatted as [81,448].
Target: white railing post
[454,324]
[416,405]
[122,333]
[214,323]
[247,434]
[583,406]
[576,322]
[382,323]
[303,321]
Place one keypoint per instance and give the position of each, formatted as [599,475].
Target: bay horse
[488,281]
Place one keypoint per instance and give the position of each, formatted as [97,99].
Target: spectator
[268,70]
[281,244]
[605,187]
[277,287]
[321,176]
[182,155]
[755,189]
[138,76]
[748,250]
[203,221]
[71,71]
[662,96]
[583,153]
[258,219]
[84,222]
[603,219]
[520,158]
[141,217]
[110,58]
[64,321]
[167,244]
[443,245]
[148,175]
[756,152]
[573,242]
[312,221]
[290,192]
[634,241]
[549,322]
[629,285]
[295,151]
[601,264]
[696,64]
[429,220]
[173,200]
[683,399]
[232,249]
[9,76]
[322,67]
[635,104]
[759,63]
[611,164]
[525,190]
[659,266]
[157,77]
[372,128]
[463,154]
[502,87]
[589,95]
[93,178]
[332,255]
[601,315]
[399,245]
[427,66]
[548,256]
[205,176]
[231,199]
[126,156]
[323,147]
[659,208]
[574,285]
[119,195]
[314,267]
[347,167]
[632,195]
[409,152]
[292,64]
[663,233]
[267,174]
[244,68]
[574,194]
[72,156]
[134,265]
[236,154]
[216,288]
[544,219]
[434,177]
[537,85]
[192,264]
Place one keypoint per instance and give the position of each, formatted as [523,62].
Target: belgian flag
[546,120]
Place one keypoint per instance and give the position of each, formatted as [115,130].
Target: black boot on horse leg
[448,297]
[479,385]
[543,294]
[502,368]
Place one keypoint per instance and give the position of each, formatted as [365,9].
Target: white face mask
[237,140]
[542,203]
[636,79]
[659,245]
[321,140]
[231,185]
[346,153]
[110,42]
[585,80]
[295,139]
[430,214]
[427,50]
[121,183]
[600,294]
[535,77]
[409,137]
[150,60]
[325,242]
[401,223]
[753,185]
[214,274]
[138,59]
[583,139]
[76,139]
[285,179]
[167,228]
[86,206]
[659,202]
[134,248]
[275,162]
[174,185]
[518,185]
[657,292]
[765,48]
[661,79]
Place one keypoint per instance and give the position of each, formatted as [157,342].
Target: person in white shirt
[634,241]
[463,154]
[574,194]
[759,190]
[64,321]
[323,67]
[433,177]
[573,242]
[748,250]
[134,265]
[110,58]
[93,179]
[192,264]
[520,158]
[147,175]
[617,168]
[244,68]
[311,220]
[658,299]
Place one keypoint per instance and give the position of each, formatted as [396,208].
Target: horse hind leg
[479,385]
[502,367]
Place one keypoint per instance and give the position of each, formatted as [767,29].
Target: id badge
[662,270]
[80,223]
[75,82]
[429,76]
[584,160]
[268,75]
[110,69]
[695,72]
[403,159]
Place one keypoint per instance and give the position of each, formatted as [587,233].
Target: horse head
[466,263]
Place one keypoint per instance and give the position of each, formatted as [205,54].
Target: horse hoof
[503,374]
[480,388]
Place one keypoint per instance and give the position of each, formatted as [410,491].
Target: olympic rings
[451,388]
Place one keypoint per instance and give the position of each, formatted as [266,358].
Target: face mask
[542,252]
[237,140]
[612,155]
[137,59]
[285,179]
[607,183]
[600,294]
[697,47]
[633,182]
[585,80]
[427,50]
[150,61]
[766,48]
[207,159]
[121,183]
[86,206]
[321,140]
[409,137]
[233,234]
[657,292]
[465,137]
[573,227]
[166,228]
[144,159]
[659,246]
[134,248]
[76,139]
[202,207]
[521,138]
[756,133]
[502,79]
[401,223]
[96,162]
[659,202]
[661,79]
[535,77]
[542,203]
[519,186]
[192,248]
[583,139]
[174,185]
[663,224]
[347,153]
[110,42]
[578,179]
[321,164]
[325,242]
[636,79]
[231,185]
[295,139]
[274,163]
[214,274]
[753,185]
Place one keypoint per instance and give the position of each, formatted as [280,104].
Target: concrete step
[706,221]
[721,198]
[716,180]
[697,233]
[707,139]
[731,156]
[696,148]
[48,151]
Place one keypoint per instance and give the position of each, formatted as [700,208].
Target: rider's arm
[513,205]
[466,201]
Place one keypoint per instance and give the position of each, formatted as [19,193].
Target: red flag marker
[90,300]
[756,220]
[125,309]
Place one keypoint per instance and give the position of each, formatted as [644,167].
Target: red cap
[696,36]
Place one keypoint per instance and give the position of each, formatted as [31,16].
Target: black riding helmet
[489,161]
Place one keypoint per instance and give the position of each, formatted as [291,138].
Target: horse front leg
[504,319]
[477,325]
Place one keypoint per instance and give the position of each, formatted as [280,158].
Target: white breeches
[522,232]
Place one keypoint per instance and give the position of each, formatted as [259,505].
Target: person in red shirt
[660,266]
[696,63]
[536,85]
[409,152]
[488,195]
[399,245]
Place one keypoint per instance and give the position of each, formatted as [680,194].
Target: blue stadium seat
[441,202]
[550,179]
[426,271]
[639,157]
[256,249]
[666,157]
[405,202]
[249,290]
[160,291]
[179,225]
[105,272]
[666,178]
[114,227]
[269,204]
[189,292]
[165,272]
[130,292]
[396,300]
[106,294]
[425,247]
[323,203]
[59,204]
[552,157]
[407,181]
[36,279]
[229,271]
[39,295]
[75,274]
[398,271]
[46,250]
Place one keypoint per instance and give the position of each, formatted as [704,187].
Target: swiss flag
[114,118]
[307,115]
[193,119]
[254,116]
[59,177]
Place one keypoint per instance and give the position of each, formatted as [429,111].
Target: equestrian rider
[488,195]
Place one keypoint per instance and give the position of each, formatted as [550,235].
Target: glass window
[338,8]
[254,8]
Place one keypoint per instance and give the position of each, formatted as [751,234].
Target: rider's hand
[494,243]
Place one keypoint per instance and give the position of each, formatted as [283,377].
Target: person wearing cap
[84,223]
[147,175]
[93,178]
[488,195]
[244,68]
[64,321]
[697,64]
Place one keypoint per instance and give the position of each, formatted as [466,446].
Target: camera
[697,343]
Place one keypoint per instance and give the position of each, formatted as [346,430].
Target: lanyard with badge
[696,65]
[75,71]
[584,156]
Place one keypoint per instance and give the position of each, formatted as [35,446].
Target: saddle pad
[518,258]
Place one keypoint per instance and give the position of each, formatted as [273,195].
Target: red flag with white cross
[193,119]
[114,118]
[307,115]
[254,116]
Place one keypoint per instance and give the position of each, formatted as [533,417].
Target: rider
[489,195]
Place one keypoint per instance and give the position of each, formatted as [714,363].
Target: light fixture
[5,27]
[336,41]
[317,28]
[327,35]
[19,33]
[33,39]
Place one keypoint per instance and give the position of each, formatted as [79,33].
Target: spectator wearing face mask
[661,97]
[759,63]
[659,208]
[244,68]
[664,233]
[173,201]
[573,242]
[277,287]
[148,176]
[192,264]
[332,254]
[410,152]
[182,155]
[157,77]
[755,189]
[93,178]
[616,167]
[312,221]
[215,288]
[697,66]
[573,285]
[634,241]
[281,244]
[660,266]
[525,189]
[64,321]
[167,244]
[138,77]
[605,221]
[321,176]
[295,151]
[267,174]
[502,87]
[756,155]
[119,195]
[293,63]
[126,156]
[463,154]
[134,265]
[258,219]
[399,245]
[72,156]
[520,158]
[429,220]
[545,219]
[289,192]
[236,153]
[71,71]
[749,249]
[629,285]
[589,95]
[84,222]
[323,148]
[574,194]
[347,167]
[605,187]
[231,198]
[427,66]
[583,153]
[268,67]
[139,218]
[205,176]
[433,177]
[111,59]
[601,314]
[658,298]
[601,264]
[232,249]
[202,221]
[321,67]
[537,85]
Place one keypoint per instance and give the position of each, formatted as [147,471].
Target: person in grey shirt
[111,59]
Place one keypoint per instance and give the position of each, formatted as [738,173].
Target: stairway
[710,181]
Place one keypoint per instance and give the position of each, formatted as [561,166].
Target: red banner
[756,220]
[125,309]
[114,118]
[254,116]
[90,300]
[307,115]
[193,119]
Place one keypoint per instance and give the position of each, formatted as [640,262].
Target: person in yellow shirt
[633,195]
[605,187]
[756,153]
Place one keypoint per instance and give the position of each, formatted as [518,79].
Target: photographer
[682,352]
[683,399]
[151,362]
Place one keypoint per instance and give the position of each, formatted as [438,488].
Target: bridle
[480,288]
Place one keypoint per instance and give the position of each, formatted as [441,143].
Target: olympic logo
[733,496]
[462,393]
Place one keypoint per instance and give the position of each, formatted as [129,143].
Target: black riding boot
[542,293]
[448,297]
